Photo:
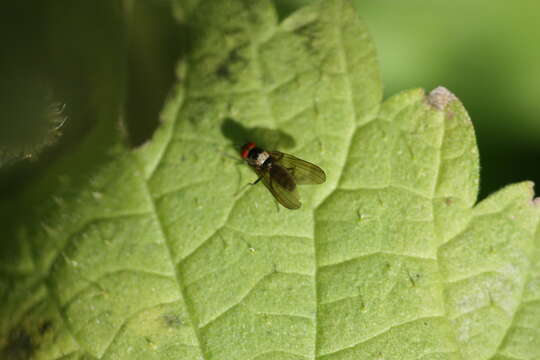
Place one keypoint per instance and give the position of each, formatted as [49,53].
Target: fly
[281,172]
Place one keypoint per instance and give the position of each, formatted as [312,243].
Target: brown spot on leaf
[172,320]
[440,97]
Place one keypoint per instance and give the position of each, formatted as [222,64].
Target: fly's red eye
[246,149]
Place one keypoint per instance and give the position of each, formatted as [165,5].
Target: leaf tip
[440,97]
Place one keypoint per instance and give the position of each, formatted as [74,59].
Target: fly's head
[246,149]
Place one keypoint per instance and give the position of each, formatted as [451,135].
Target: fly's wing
[287,198]
[302,171]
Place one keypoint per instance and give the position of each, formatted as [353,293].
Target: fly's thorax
[262,158]
[257,157]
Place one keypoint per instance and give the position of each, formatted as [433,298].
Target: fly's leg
[256,181]
[277,204]
[248,184]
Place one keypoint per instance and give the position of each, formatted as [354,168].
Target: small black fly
[281,172]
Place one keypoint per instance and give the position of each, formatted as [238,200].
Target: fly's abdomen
[280,175]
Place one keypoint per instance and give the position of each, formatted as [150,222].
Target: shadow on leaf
[266,138]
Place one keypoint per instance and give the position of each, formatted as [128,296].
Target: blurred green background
[109,58]
[485,52]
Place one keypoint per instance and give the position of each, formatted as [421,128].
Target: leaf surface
[163,252]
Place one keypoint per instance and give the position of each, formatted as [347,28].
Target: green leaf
[163,252]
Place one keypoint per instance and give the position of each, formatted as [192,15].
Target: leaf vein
[189,307]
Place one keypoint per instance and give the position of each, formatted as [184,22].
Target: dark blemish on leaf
[309,32]
[172,320]
[45,326]
[440,97]
[448,201]
[266,138]
[19,345]
[233,60]
[150,342]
